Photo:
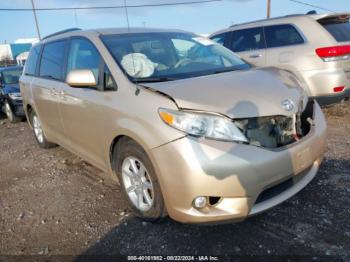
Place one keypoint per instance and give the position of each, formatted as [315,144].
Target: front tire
[10,115]
[39,133]
[138,180]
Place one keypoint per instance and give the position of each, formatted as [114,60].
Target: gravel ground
[54,203]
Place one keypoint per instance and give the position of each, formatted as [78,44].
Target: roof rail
[265,19]
[62,32]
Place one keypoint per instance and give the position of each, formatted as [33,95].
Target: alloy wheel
[38,131]
[8,111]
[137,183]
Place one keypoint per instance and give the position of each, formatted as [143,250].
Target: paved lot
[52,202]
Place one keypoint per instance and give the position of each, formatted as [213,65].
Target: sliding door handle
[255,56]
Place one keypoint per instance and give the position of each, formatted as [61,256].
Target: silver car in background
[315,47]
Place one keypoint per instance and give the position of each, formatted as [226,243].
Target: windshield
[11,76]
[148,57]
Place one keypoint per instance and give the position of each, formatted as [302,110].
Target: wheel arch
[28,109]
[114,144]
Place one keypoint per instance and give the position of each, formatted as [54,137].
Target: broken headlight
[202,125]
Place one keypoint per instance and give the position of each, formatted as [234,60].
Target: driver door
[82,114]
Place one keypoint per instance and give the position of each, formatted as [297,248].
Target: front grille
[281,187]
[276,131]
[274,191]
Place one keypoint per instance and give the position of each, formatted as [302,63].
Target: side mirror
[81,78]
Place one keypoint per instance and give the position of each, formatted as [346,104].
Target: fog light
[200,202]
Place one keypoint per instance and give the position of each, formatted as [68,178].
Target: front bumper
[237,173]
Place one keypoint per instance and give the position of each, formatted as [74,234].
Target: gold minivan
[188,128]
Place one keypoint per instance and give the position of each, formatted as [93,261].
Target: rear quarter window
[282,35]
[31,63]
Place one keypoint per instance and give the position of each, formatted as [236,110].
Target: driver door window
[84,55]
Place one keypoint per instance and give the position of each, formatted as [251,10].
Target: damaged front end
[277,131]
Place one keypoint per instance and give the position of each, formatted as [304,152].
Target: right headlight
[202,125]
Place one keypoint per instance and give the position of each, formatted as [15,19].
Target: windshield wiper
[224,70]
[154,79]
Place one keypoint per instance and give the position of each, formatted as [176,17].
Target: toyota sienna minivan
[315,47]
[187,127]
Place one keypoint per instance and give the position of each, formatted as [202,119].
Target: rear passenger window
[30,65]
[282,35]
[52,60]
[248,39]
[84,55]
[220,39]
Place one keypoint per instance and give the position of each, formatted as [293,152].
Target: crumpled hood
[11,89]
[237,94]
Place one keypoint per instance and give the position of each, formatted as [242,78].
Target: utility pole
[268,8]
[36,20]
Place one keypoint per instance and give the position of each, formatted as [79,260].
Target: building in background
[17,52]
[22,58]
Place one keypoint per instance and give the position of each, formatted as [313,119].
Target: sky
[201,18]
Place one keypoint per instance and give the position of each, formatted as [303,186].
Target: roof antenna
[127,16]
[137,91]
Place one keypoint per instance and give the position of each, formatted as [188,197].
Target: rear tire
[10,115]
[138,180]
[39,133]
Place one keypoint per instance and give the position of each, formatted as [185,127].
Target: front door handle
[255,56]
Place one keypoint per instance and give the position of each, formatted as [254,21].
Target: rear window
[30,65]
[282,35]
[338,28]
[52,60]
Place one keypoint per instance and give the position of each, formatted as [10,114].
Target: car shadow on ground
[311,223]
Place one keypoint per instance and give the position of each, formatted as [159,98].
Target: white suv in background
[316,48]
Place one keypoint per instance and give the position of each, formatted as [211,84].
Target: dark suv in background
[10,96]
